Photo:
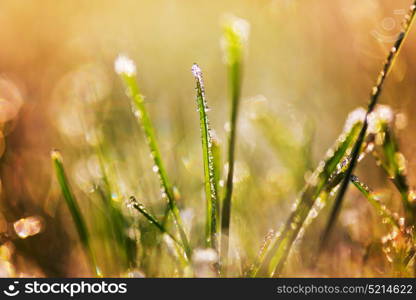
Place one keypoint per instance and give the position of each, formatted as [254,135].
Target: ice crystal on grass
[124,65]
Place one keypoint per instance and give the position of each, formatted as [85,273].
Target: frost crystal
[124,65]
[383,114]
[356,116]
[196,71]
[241,27]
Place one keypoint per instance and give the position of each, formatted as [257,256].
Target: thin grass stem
[72,204]
[261,255]
[235,35]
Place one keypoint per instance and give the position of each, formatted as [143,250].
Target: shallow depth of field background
[309,64]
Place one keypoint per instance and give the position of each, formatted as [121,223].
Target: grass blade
[374,201]
[375,94]
[151,218]
[394,165]
[127,71]
[208,159]
[235,35]
[116,222]
[261,256]
[154,221]
[290,152]
[73,207]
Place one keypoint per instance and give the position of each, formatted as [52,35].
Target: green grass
[151,218]
[180,249]
[116,224]
[366,132]
[381,209]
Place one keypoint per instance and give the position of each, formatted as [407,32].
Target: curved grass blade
[127,71]
[235,36]
[375,94]
[73,207]
[313,190]
[208,159]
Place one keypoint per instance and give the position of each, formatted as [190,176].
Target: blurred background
[309,63]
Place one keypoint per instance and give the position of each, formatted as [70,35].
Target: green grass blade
[116,222]
[374,201]
[154,221]
[394,165]
[208,160]
[235,35]
[314,190]
[127,71]
[375,94]
[261,256]
[151,218]
[73,207]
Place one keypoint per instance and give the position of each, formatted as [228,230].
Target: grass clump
[127,70]
[366,131]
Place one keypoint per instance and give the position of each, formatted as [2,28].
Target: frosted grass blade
[208,161]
